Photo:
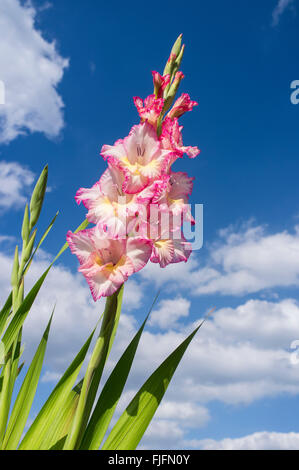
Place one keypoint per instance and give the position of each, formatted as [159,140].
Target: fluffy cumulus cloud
[172,422]
[241,262]
[279,9]
[169,311]
[257,441]
[15,184]
[231,360]
[31,69]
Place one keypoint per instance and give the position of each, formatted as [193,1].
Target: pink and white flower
[171,139]
[106,261]
[139,204]
[172,196]
[140,157]
[181,106]
[107,204]
[171,250]
[160,83]
[149,110]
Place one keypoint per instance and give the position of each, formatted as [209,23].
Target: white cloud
[162,434]
[239,356]
[249,260]
[52,377]
[15,184]
[31,70]
[257,441]
[169,311]
[280,8]
[187,413]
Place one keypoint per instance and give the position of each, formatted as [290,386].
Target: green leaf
[5,312]
[129,429]
[25,396]
[63,424]
[41,431]
[16,323]
[111,394]
[16,352]
[95,369]
[4,397]
[109,397]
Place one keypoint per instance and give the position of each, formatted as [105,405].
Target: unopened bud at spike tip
[177,46]
[175,52]
[37,197]
[179,58]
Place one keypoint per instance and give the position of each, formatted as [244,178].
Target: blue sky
[70,71]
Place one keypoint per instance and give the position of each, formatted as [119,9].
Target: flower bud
[175,51]
[25,226]
[177,62]
[29,247]
[21,292]
[160,83]
[37,197]
[15,268]
[172,91]
[177,46]
[175,84]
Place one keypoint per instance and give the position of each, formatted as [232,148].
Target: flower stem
[95,368]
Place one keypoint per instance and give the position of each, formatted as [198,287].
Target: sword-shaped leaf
[129,429]
[50,413]
[56,439]
[4,313]
[16,323]
[25,396]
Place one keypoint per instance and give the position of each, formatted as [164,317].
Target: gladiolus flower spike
[139,204]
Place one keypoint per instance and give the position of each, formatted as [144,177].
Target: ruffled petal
[163,252]
[81,244]
[139,251]
[149,110]
[181,106]
[171,138]
[87,195]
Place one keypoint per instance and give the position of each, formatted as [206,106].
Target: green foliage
[25,396]
[133,423]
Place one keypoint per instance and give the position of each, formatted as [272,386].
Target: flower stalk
[95,368]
